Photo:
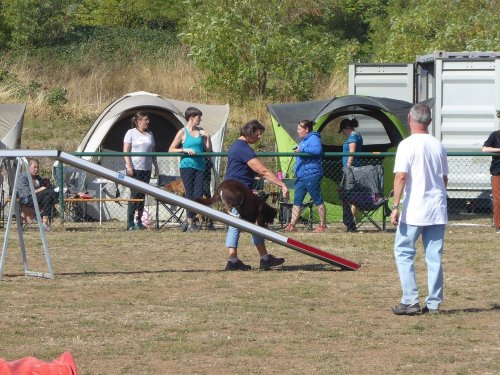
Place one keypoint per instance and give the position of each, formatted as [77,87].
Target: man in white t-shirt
[421,173]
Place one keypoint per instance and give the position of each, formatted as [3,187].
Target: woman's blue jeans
[233,234]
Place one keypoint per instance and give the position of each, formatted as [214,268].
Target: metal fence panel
[470,201]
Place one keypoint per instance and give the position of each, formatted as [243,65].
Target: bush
[30,90]
[57,97]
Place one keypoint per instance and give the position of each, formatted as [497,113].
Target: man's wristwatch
[395,207]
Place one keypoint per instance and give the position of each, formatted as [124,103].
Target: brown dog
[176,187]
[234,194]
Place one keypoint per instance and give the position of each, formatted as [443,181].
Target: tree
[155,14]
[251,47]
[35,22]
[417,27]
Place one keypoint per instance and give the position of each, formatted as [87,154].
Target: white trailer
[466,89]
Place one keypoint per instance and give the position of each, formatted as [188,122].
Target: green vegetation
[418,27]
[257,48]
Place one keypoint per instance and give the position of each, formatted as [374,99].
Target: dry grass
[336,86]
[157,302]
[92,85]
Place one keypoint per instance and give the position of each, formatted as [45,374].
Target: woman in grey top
[45,195]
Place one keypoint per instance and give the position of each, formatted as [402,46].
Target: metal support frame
[190,205]
[22,163]
[175,212]
[158,193]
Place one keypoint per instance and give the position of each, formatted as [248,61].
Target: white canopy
[166,115]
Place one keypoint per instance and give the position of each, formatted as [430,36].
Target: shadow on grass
[319,267]
[90,229]
[494,307]
[307,267]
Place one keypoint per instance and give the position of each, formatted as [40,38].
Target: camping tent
[11,125]
[166,115]
[166,118]
[382,123]
[389,113]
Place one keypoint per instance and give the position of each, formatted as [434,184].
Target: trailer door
[465,113]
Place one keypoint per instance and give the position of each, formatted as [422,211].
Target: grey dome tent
[11,127]
[166,115]
[166,118]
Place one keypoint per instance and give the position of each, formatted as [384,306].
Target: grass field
[158,303]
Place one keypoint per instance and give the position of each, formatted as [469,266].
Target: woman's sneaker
[193,228]
[140,226]
[238,266]
[272,261]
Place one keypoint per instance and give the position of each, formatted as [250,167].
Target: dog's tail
[208,201]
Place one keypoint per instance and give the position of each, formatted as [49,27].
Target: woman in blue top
[353,143]
[308,173]
[243,165]
[192,140]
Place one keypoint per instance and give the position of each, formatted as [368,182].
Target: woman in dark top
[243,165]
[492,144]
[352,143]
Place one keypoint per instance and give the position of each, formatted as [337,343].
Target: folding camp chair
[174,213]
[363,187]
[285,207]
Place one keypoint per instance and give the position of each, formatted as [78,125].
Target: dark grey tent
[382,120]
[390,112]
[382,123]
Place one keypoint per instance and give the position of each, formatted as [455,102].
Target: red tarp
[64,365]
